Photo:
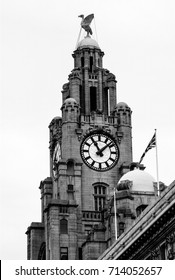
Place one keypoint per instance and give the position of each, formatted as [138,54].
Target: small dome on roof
[121,105]
[70,100]
[141,180]
[57,118]
[47,180]
[88,42]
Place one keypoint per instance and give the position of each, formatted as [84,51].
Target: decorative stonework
[75,73]
[124,185]
[55,133]
[155,254]
[170,244]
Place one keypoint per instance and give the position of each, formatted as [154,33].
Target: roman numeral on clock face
[88,144]
[87,158]
[111,145]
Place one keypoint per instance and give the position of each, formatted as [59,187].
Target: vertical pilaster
[74,79]
[100,91]
[86,83]
[112,95]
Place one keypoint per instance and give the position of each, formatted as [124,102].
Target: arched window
[99,197]
[140,209]
[63,226]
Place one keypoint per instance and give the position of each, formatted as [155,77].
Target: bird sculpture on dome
[85,23]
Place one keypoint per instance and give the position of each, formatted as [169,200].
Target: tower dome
[140,181]
[88,42]
[70,110]
[70,101]
[121,105]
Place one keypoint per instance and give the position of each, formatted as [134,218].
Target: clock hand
[102,149]
[96,145]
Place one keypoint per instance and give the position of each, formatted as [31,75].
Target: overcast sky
[38,38]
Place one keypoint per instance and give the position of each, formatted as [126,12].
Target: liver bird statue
[85,23]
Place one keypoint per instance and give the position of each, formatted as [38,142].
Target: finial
[85,23]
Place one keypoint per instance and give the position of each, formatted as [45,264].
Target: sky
[38,38]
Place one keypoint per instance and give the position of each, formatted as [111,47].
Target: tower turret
[70,122]
[123,113]
[95,87]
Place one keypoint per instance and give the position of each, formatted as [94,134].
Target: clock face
[99,151]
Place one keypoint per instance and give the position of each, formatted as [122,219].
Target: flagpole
[115,215]
[157,169]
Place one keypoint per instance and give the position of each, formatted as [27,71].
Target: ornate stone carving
[155,254]
[170,244]
[75,73]
[124,185]
[110,77]
[66,86]
[55,133]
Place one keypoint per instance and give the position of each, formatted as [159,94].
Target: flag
[151,145]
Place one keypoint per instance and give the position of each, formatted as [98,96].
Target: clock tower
[90,149]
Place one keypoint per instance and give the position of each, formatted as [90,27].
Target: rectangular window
[91,63]
[63,253]
[106,101]
[82,99]
[87,229]
[63,226]
[63,209]
[96,204]
[99,197]
[82,61]
[70,188]
[93,99]
[80,255]
[121,228]
[100,203]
